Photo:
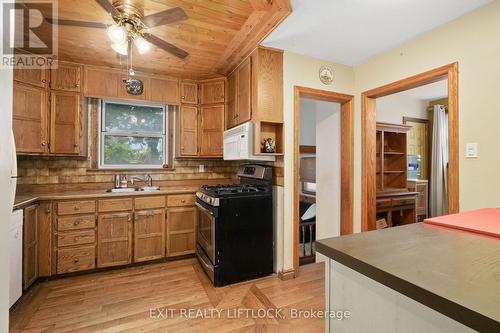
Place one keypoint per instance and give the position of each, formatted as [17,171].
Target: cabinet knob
[77,208]
[76,260]
[43,143]
[77,85]
[43,80]
[77,222]
[76,239]
[47,210]
[75,145]
[183,200]
[183,97]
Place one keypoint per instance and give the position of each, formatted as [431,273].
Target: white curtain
[439,163]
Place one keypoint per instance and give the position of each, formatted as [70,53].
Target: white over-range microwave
[238,144]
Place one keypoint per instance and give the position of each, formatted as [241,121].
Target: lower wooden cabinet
[75,259]
[30,246]
[149,235]
[181,231]
[44,230]
[114,239]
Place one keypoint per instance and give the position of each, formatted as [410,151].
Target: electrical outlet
[201,168]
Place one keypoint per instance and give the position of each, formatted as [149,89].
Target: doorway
[345,108]
[385,146]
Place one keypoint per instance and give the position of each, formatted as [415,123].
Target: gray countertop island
[453,272]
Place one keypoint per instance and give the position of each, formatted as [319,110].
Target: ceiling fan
[131,26]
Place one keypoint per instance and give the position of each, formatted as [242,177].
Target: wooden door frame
[346,164]
[368,132]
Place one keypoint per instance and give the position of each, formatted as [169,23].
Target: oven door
[206,231]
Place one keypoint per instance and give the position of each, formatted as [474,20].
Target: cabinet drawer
[76,238]
[181,200]
[75,259]
[75,207]
[115,205]
[403,202]
[75,222]
[150,202]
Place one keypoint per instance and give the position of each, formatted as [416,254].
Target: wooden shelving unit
[395,203]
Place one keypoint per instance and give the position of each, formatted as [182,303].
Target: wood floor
[150,298]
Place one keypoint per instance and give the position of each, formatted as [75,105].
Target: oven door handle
[204,209]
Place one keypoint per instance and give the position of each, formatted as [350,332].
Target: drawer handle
[76,238]
[77,208]
[77,222]
[183,200]
[76,260]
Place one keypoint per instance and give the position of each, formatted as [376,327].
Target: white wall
[299,70]
[392,108]
[307,130]
[5,199]
[327,171]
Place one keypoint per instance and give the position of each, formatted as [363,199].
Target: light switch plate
[201,168]
[471,150]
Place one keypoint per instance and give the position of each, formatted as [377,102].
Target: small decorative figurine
[269,145]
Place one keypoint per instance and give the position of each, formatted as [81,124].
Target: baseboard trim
[287,274]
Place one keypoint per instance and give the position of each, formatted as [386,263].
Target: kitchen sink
[134,189]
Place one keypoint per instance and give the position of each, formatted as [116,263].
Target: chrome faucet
[148,180]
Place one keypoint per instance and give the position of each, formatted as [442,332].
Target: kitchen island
[413,278]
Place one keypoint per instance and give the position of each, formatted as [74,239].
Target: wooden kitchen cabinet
[165,91]
[149,235]
[230,114]
[66,77]
[30,246]
[239,107]
[189,92]
[422,187]
[100,82]
[188,131]
[114,239]
[66,123]
[35,77]
[181,231]
[44,230]
[211,130]
[212,91]
[29,119]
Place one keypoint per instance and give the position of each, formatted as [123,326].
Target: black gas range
[235,227]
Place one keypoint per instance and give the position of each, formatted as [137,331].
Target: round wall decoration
[326,75]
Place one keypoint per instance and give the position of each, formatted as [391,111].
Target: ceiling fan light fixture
[117,34]
[121,48]
[142,45]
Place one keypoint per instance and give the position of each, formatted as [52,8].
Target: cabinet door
[30,249]
[30,119]
[188,134]
[189,93]
[181,231]
[165,91]
[66,123]
[44,229]
[67,77]
[149,235]
[101,83]
[243,92]
[37,77]
[114,239]
[212,92]
[231,100]
[211,130]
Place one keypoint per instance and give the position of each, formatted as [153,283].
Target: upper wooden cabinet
[36,77]
[100,82]
[164,90]
[244,92]
[67,77]
[189,92]
[211,130]
[212,91]
[30,123]
[188,131]
[66,123]
[230,114]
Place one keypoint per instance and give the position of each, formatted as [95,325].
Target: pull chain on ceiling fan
[131,27]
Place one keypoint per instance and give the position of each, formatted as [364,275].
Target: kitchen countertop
[454,272]
[26,199]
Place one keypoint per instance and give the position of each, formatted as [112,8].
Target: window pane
[132,150]
[133,118]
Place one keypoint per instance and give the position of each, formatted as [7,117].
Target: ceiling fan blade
[108,7]
[165,17]
[170,48]
[76,23]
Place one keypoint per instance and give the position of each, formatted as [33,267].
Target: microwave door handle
[204,209]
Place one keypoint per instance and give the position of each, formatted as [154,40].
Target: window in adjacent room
[133,135]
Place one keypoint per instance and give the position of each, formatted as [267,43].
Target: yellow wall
[474,41]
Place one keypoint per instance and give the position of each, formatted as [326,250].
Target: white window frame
[103,133]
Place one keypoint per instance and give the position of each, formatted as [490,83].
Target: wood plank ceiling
[218,35]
